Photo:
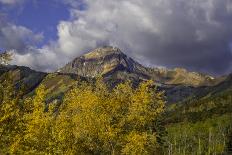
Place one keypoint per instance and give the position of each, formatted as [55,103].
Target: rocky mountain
[114,65]
[108,62]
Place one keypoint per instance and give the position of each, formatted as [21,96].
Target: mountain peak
[102,52]
[99,62]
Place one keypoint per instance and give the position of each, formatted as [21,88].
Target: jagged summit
[101,61]
[102,52]
[114,65]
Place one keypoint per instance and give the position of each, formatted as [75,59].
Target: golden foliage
[92,120]
[110,122]
[10,118]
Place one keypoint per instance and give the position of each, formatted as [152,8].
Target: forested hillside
[91,120]
[201,126]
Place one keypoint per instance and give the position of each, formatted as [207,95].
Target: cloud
[38,59]
[22,42]
[175,33]
[17,37]
[74,3]
[194,34]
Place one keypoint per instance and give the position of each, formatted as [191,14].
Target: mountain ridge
[111,61]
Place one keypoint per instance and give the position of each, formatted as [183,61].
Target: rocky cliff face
[100,62]
[114,65]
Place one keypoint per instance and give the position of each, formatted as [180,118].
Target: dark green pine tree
[229,144]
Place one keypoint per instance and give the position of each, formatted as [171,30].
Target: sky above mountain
[46,34]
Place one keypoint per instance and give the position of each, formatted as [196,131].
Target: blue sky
[39,16]
[47,34]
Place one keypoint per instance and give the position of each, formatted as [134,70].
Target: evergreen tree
[229,142]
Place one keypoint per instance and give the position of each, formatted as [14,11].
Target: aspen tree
[10,117]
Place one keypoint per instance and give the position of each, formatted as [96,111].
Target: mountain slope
[21,76]
[56,84]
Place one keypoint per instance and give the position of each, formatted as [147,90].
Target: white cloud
[22,41]
[38,59]
[17,37]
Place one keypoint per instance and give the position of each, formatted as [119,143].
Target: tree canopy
[91,120]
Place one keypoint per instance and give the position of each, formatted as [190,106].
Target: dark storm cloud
[194,37]
[175,33]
